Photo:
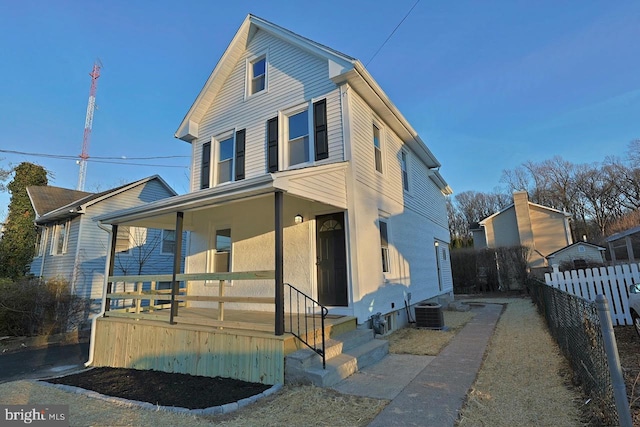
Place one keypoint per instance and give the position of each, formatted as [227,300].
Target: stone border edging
[213,410]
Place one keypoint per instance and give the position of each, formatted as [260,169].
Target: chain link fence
[575,325]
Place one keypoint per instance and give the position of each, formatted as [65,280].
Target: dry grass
[292,406]
[520,382]
[306,406]
[428,342]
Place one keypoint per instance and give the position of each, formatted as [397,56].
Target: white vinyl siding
[424,197]
[294,77]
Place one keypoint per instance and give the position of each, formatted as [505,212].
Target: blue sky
[487,84]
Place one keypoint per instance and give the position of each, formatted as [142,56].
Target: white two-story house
[302,164]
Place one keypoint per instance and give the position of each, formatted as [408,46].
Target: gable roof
[341,68]
[46,198]
[591,245]
[625,233]
[484,221]
[79,205]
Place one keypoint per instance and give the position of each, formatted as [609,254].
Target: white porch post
[279,291]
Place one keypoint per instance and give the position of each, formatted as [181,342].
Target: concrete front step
[346,354]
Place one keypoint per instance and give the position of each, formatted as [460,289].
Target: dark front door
[332,260]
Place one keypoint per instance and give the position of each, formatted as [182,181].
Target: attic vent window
[258,75]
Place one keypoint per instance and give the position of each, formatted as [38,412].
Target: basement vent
[429,315]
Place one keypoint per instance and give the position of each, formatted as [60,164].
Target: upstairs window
[377,148]
[60,239]
[168,245]
[304,132]
[405,174]
[298,138]
[257,75]
[384,245]
[225,159]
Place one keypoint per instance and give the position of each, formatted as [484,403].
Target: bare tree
[136,247]
[599,194]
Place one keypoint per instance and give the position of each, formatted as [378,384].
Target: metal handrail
[307,302]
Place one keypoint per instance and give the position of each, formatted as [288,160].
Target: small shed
[580,254]
[624,246]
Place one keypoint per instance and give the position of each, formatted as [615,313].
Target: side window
[123,239]
[205,167]
[404,165]
[41,241]
[257,75]
[60,237]
[377,147]
[384,245]
[168,245]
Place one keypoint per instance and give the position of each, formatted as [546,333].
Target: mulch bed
[162,388]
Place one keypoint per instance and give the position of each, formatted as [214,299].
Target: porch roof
[161,213]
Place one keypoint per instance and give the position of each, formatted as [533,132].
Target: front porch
[209,320]
[141,330]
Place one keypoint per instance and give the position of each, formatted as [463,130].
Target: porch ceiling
[324,184]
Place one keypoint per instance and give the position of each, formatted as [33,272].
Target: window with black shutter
[205,168]
[320,129]
[272,145]
[240,137]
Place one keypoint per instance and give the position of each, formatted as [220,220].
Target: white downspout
[104,300]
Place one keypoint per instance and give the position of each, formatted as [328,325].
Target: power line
[97,159]
[392,33]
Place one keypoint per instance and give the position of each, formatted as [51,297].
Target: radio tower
[88,123]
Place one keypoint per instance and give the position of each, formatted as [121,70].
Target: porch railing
[132,305]
[305,325]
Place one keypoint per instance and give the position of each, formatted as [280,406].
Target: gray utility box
[429,315]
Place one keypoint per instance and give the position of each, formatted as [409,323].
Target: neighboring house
[302,165]
[624,246]
[542,229]
[580,255]
[71,245]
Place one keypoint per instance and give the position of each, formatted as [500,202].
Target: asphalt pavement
[44,362]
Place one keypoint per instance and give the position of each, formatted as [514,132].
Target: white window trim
[212,251]
[382,219]
[215,157]
[378,123]
[56,237]
[249,74]
[44,233]
[407,157]
[162,252]
[283,135]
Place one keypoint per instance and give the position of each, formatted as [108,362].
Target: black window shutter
[240,136]
[320,129]
[205,166]
[272,145]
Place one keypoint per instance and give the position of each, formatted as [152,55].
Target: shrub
[30,307]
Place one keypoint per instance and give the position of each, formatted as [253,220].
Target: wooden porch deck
[148,341]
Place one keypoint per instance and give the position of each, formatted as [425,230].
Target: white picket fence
[612,282]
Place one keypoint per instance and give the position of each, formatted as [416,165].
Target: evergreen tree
[19,238]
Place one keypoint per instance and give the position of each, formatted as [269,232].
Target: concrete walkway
[427,390]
